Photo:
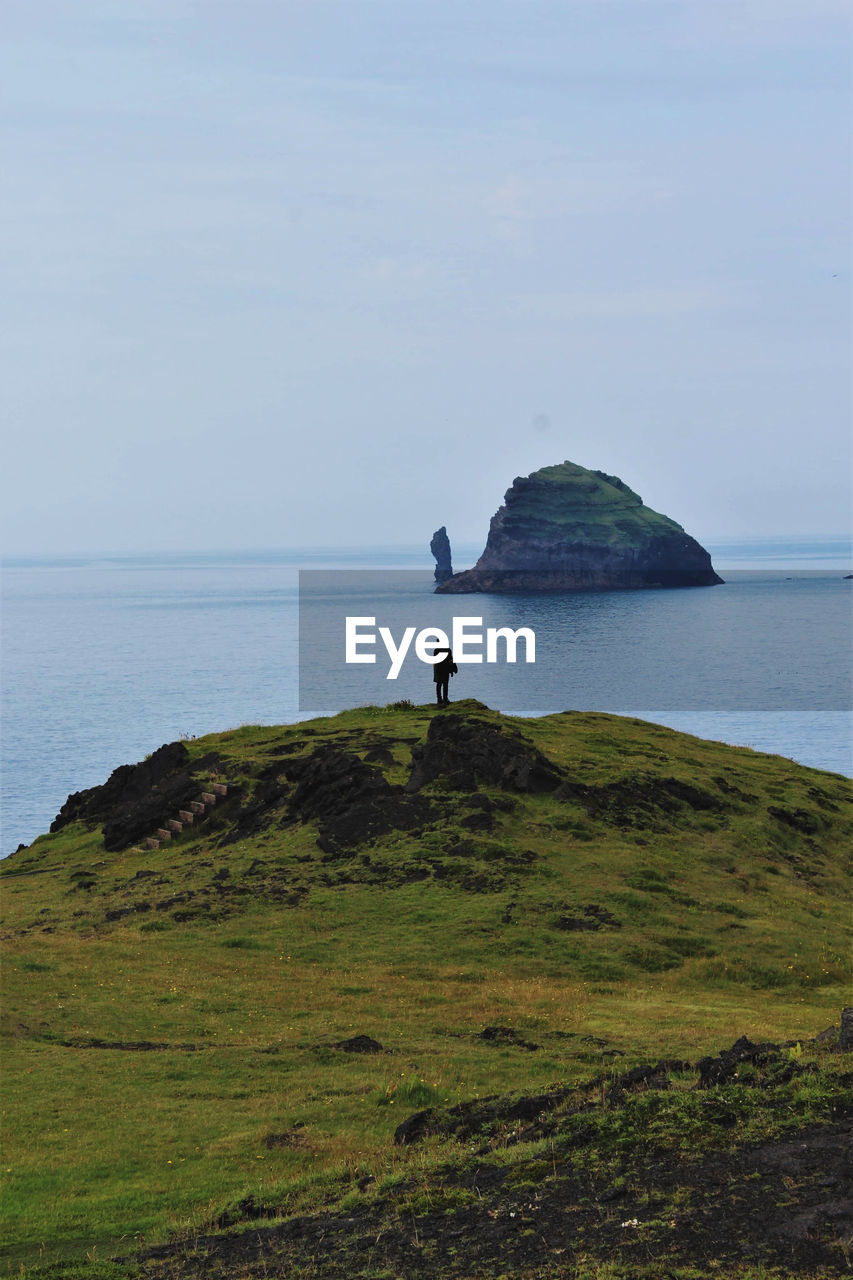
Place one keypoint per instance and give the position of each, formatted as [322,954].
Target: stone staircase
[187,817]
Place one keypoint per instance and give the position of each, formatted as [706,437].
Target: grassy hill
[592,505]
[540,933]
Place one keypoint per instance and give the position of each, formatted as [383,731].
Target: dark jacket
[445,668]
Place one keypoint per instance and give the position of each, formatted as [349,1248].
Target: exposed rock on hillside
[630,1196]
[565,528]
[469,753]
[138,798]
[350,801]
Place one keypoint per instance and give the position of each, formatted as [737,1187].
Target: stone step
[186,816]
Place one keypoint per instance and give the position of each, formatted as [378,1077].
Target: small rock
[724,1068]
[507,1036]
[358,1044]
[478,800]
[414,1127]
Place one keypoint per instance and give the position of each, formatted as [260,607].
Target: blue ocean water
[104,659]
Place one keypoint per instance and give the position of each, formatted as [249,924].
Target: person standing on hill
[441,673]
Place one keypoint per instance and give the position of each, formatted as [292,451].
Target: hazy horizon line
[13,559]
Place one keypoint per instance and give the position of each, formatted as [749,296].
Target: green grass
[730,922]
[597,508]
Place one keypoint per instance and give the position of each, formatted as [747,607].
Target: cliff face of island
[565,528]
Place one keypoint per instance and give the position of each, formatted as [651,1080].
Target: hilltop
[439,993]
[566,528]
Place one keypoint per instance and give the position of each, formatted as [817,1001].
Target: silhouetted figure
[441,673]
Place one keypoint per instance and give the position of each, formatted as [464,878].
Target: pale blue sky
[319,272]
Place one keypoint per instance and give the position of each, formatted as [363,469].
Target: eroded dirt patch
[783,1204]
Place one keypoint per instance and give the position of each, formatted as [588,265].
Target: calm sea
[104,659]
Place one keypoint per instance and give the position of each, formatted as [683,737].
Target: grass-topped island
[420,993]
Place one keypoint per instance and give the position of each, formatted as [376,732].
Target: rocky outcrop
[351,802]
[565,528]
[465,752]
[125,785]
[440,548]
[136,799]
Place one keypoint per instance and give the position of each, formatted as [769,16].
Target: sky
[281,273]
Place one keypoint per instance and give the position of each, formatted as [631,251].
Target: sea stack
[565,528]
[440,548]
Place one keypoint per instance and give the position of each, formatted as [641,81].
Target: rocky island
[565,528]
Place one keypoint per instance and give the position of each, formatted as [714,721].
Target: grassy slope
[596,510]
[730,919]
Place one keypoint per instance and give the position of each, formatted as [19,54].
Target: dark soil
[589,1195]
[224,896]
[641,800]
[259,811]
[352,802]
[466,753]
[358,1044]
[591,920]
[784,1203]
[505,1036]
[800,819]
